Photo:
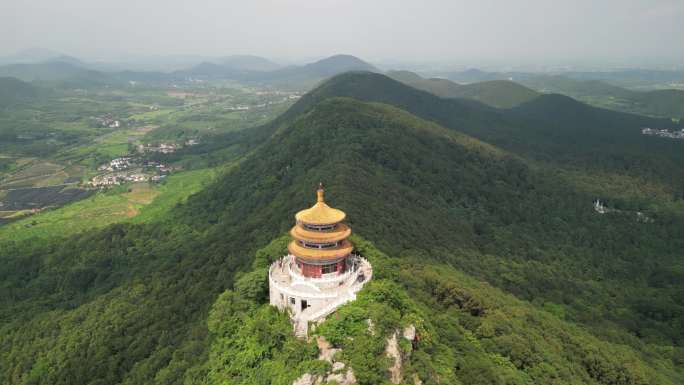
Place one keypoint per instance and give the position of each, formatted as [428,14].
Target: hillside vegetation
[13,90]
[470,333]
[552,129]
[571,296]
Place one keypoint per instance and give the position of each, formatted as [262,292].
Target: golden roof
[320,213]
[340,232]
[342,250]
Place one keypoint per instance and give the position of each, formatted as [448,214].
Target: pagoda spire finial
[320,192]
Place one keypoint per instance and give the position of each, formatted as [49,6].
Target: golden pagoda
[319,273]
[320,245]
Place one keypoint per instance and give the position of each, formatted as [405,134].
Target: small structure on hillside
[599,207]
[320,273]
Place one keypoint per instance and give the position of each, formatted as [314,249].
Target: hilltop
[337,64]
[248,63]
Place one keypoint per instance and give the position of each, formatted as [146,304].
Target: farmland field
[54,145]
[129,203]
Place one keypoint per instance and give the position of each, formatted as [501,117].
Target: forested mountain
[13,90]
[496,93]
[665,103]
[551,128]
[596,88]
[477,222]
[68,71]
[660,102]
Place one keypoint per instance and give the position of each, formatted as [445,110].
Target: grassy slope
[142,203]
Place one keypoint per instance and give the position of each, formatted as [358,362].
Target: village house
[663,133]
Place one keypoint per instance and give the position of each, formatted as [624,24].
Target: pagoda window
[318,227]
[318,245]
[330,268]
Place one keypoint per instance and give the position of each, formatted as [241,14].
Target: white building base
[312,299]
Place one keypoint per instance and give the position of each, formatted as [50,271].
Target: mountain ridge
[495,93]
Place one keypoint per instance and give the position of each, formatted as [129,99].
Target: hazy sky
[463,32]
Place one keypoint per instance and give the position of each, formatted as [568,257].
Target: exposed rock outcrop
[392,351]
[371,326]
[325,350]
[327,353]
[347,378]
[410,333]
[305,379]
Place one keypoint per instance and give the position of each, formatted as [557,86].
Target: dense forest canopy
[479,223]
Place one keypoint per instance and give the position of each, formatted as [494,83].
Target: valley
[58,146]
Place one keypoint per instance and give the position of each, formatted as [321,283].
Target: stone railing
[287,289]
[282,277]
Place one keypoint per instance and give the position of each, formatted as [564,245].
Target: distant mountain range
[596,88]
[496,93]
[239,68]
[301,76]
[625,78]
[496,89]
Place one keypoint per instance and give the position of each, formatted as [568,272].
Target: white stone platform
[312,299]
